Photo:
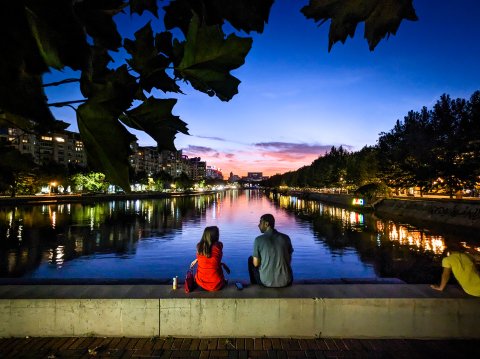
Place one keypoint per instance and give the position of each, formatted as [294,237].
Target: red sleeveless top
[209,274]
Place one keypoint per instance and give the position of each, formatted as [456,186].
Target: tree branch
[66,103]
[66,81]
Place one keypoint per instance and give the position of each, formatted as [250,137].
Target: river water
[156,239]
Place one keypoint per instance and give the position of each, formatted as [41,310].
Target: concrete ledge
[338,310]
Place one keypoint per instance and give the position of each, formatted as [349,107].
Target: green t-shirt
[274,249]
[465,272]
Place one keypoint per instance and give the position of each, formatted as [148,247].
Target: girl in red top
[209,274]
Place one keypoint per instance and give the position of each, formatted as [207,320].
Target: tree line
[436,150]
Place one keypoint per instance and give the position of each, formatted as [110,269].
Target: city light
[357,201]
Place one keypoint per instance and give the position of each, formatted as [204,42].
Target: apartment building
[214,173]
[66,147]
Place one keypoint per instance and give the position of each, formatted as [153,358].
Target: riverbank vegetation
[434,150]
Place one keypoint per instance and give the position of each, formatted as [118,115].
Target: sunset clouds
[267,157]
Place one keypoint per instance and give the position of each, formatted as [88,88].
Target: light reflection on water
[414,238]
[156,238]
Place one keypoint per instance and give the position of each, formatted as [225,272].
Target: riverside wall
[440,212]
[445,213]
[303,311]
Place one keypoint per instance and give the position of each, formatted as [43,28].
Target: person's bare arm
[227,269]
[193,263]
[445,277]
[256,261]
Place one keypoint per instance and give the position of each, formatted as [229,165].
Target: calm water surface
[156,239]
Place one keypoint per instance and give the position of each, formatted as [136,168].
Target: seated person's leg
[253,272]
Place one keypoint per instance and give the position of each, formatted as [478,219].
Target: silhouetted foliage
[190,47]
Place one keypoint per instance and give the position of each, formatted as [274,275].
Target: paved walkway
[236,348]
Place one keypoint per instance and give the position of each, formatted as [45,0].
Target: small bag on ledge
[189,281]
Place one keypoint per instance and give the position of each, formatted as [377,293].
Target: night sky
[296,99]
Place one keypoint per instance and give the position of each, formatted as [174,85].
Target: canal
[156,239]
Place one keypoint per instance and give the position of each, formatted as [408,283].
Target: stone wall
[463,213]
[417,211]
[307,311]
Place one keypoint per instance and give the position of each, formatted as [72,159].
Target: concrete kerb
[300,311]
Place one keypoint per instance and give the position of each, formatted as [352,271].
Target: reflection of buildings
[56,234]
[395,250]
[414,238]
[401,234]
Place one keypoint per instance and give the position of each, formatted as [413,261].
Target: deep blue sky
[296,100]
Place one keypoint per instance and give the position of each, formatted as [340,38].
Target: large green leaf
[23,95]
[179,13]
[115,89]
[49,24]
[208,59]
[18,46]
[163,43]
[96,71]
[22,65]
[381,17]
[386,19]
[155,117]
[245,15]
[106,141]
[148,62]
[97,16]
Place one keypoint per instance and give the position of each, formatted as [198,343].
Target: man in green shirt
[270,264]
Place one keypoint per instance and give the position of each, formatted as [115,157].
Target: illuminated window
[47,138]
[59,139]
